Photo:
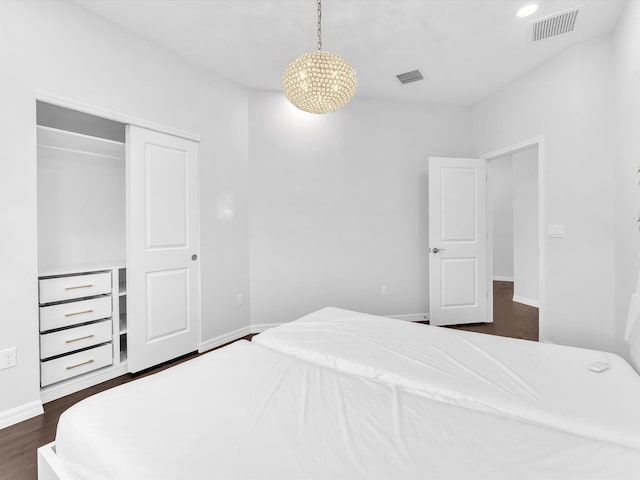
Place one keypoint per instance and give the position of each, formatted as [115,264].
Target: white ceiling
[466,49]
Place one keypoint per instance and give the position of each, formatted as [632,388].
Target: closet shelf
[79,268]
[123,323]
[76,142]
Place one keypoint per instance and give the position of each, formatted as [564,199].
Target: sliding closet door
[163,242]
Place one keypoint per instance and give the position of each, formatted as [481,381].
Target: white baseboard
[261,327]
[87,380]
[502,278]
[21,413]
[234,335]
[225,338]
[526,301]
[411,317]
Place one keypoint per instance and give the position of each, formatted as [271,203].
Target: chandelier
[319,81]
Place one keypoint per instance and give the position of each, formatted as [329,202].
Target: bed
[246,411]
[544,384]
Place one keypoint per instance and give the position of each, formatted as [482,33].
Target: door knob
[194,257]
[436,249]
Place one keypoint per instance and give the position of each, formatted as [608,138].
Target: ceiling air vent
[408,77]
[554,25]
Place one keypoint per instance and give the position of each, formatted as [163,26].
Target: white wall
[81,209]
[500,190]
[626,45]
[339,204]
[59,48]
[525,226]
[568,100]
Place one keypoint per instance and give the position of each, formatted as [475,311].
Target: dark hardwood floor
[510,319]
[19,442]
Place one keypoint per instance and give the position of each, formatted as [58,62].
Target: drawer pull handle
[77,313]
[79,338]
[80,364]
[79,286]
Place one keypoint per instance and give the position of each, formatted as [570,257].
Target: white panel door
[163,242]
[458,256]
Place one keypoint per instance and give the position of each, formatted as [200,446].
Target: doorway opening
[515,248]
[514,241]
[512,187]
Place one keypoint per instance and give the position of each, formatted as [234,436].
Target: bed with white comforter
[249,412]
[544,384]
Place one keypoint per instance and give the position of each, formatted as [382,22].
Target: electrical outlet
[7,358]
[240,300]
[384,290]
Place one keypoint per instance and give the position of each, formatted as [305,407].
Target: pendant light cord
[319,24]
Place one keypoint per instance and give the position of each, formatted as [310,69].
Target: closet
[118,241]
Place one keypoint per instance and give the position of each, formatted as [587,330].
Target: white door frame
[514,148]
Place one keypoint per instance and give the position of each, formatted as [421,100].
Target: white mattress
[247,412]
[542,383]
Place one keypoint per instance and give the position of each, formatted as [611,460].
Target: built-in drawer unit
[76,338]
[69,287]
[76,324]
[62,368]
[74,313]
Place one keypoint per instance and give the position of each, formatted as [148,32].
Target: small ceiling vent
[408,77]
[554,25]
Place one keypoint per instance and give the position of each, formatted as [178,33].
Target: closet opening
[81,190]
[81,248]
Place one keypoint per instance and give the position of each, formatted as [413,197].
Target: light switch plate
[555,231]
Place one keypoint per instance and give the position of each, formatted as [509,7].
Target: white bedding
[542,383]
[247,412]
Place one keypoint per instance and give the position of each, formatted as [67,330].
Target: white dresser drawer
[76,286]
[74,313]
[72,339]
[58,369]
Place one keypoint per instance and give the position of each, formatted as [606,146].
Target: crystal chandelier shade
[319,81]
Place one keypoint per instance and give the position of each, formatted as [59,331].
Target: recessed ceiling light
[528,10]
